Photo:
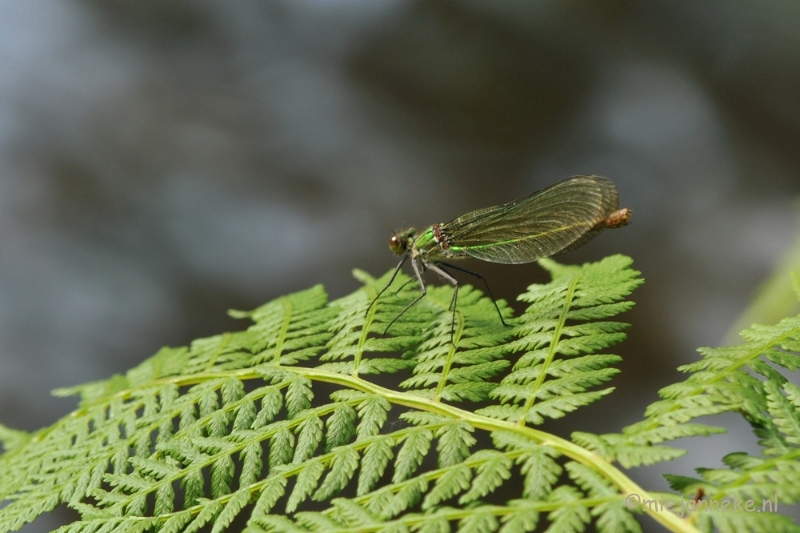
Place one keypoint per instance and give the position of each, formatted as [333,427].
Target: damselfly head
[400,242]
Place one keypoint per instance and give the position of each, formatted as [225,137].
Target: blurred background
[162,162]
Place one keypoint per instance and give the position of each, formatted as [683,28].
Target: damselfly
[554,220]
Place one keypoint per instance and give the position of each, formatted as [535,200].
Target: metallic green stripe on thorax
[425,241]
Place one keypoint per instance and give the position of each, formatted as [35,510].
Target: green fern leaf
[454,480]
[493,469]
[613,517]
[281,448]
[560,406]
[165,500]
[270,523]
[435,524]
[523,518]
[318,522]
[298,395]
[455,441]
[409,494]
[245,414]
[307,481]
[345,462]
[353,514]
[272,490]
[221,476]
[271,404]
[472,392]
[376,458]
[729,521]
[383,366]
[309,436]
[234,506]
[784,413]
[341,426]
[409,458]
[210,511]
[252,464]
[646,434]
[479,522]
[373,413]
[176,522]
[193,483]
[571,516]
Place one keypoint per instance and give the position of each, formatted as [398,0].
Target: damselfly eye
[396,245]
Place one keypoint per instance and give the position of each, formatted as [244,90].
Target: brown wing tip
[617,219]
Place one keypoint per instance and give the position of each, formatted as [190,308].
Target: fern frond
[277,427]
[290,329]
[358,322]
[460,370]
[718,383]
[13,438]
[734,521]
[546,381]
[736,378]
